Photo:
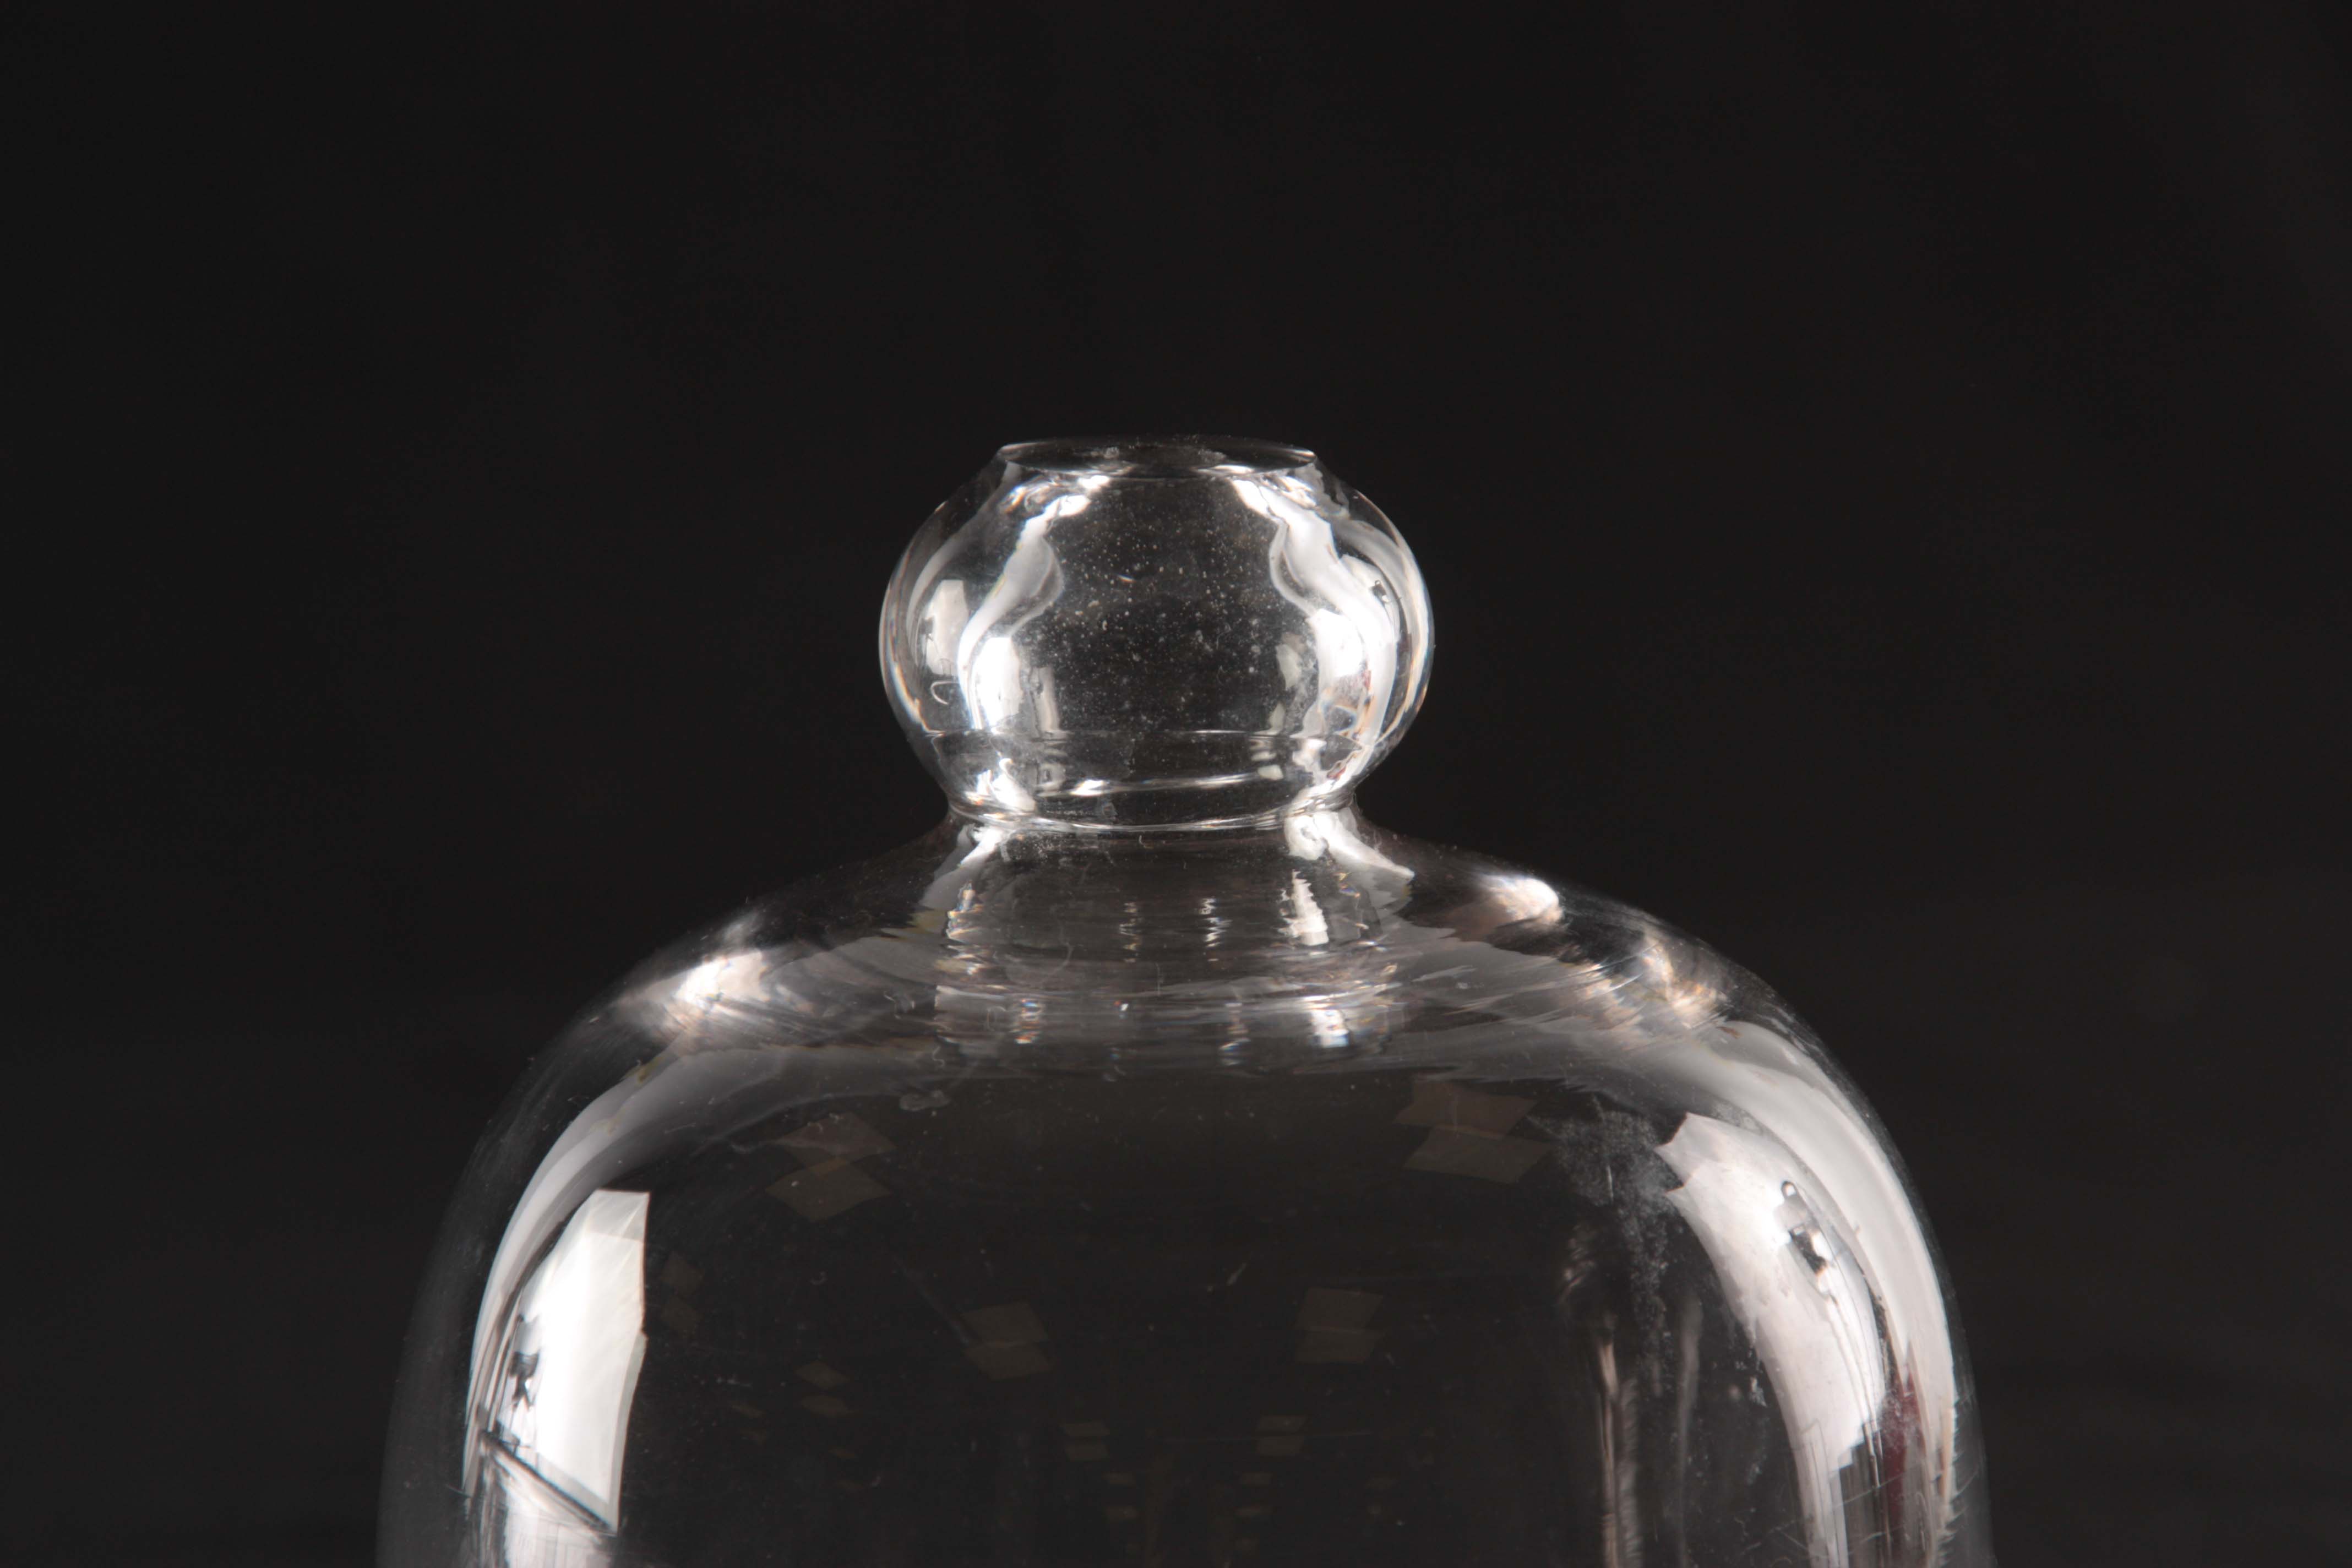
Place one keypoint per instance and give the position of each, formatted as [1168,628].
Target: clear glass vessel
[1159,1162]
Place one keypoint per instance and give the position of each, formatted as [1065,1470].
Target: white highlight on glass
[580,1334]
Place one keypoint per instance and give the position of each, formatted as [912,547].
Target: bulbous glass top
[1233,1181]
[1154,631]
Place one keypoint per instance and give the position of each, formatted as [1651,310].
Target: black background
[1882,485]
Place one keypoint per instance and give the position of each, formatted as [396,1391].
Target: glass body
[1158,1163]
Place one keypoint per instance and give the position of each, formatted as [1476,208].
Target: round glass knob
[1133,633]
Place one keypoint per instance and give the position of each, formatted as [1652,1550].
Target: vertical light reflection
[1302,917]
[989,664]
[1347,622]
[944,614]
[1800,1294]
[1821,1143]
[1621,1483]
[579,1344]
[1001,683]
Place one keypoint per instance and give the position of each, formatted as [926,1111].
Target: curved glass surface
[1116,634]
[1243,1182]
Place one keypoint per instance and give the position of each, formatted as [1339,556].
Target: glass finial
[1153,631]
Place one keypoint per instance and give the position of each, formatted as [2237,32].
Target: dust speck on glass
[1156,1161]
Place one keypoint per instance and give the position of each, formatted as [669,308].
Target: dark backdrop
[1881,485]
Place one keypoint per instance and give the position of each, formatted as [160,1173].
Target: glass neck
[1145,821]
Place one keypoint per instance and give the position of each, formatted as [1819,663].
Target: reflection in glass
[566,1368]
[1159,1162]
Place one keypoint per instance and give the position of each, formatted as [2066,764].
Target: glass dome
[1159,1162]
